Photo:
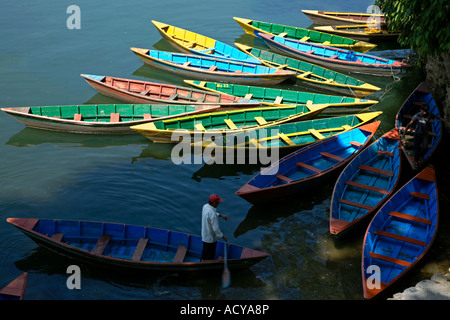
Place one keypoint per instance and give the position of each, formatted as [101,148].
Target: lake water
[128,179]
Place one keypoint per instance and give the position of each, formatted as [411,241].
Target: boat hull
[359,35]
[342,18]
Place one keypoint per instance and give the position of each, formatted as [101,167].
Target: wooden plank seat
[389,259]
[385,153]
[304,39]
[334,56]
[355,204]
[286,139]
[420,195]
[248,96]
[278,100]
[310,168]
[376,170]
[261,121]
[114,117]
[310,52]
[316,134]
[366,187]
[199,126]
[355,144]
[147,116]
[332,156]
[230,124]
[186,63]
[139,250]
[174,96]
[285,179]
[305,74]
[57,236]
[212,68]
[101,244]
[409,217]
[400,238]
[283,34]
[77,117]
[181,253]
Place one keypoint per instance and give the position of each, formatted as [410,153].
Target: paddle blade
[225,278]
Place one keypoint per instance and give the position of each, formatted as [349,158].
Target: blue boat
[333,58]
[365,183]
[400,234]
[213,69]
[308,166]
[409,108]
[132,247]
[191,42]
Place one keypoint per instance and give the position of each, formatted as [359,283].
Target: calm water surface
[131,180]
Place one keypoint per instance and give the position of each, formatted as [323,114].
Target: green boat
[252,27]
[277,97]
[312,75]
[101,118]
[225,122]
[290,136]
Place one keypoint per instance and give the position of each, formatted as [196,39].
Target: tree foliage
[424,24]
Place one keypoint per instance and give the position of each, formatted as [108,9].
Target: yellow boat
[313,75]
[252,27]
[191,42]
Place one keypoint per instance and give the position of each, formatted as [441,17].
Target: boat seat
[261,121]
[101,244]
[356,144]
[376,170]
[190,44]
[212,68]
[181,253]
[409,217]
[114,117]
[385,153]
[310,168]
[77,117]
[420,195]
[332,156]
[355,204]
[230,124]
[208,49]
[286,139]
[305,39]
[325,43]
[255,143]
[310,52]
[57,236]
[285,179]
[145,92]
[238,71]
[248,96]
[174,96]
[278,100]
[139,250]
[334,56]
[186,63]
[305,74]
[283,34]
[366,187]
[316,134]
[347,127]
[199,126]
[147,116]
[399,237]
[389,259]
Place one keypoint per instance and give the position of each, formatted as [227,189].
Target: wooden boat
[365,183]
[132,247]
[220,123]
[307,167]
[276,97]
[251,27]
[136,91]
[404,115]
[15,290]
[343,18]
[289,136]
[212,69]
[101,118]
[401,232]
[334,58]
[190,42]
[312,75]
[361,32]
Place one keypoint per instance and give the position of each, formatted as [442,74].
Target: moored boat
[421,95]
[344,18]
[137,91]
[276,97]
[400,234]
[15,290]
[251,27]
[365,183]
[101,118]
[131,247]
[334,58]
[312,75]
[191,42]
[212,69]
[307,167]
[361,32]
[226,122]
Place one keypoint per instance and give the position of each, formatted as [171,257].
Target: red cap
[215,198]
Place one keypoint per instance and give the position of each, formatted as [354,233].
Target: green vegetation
[423,24]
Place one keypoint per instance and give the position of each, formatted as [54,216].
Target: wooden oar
[226,272]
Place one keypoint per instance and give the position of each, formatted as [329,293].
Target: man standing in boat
[210,227]
[422,119]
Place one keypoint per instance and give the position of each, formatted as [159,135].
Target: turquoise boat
[334,58]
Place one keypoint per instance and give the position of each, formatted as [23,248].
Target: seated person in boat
[210,227]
